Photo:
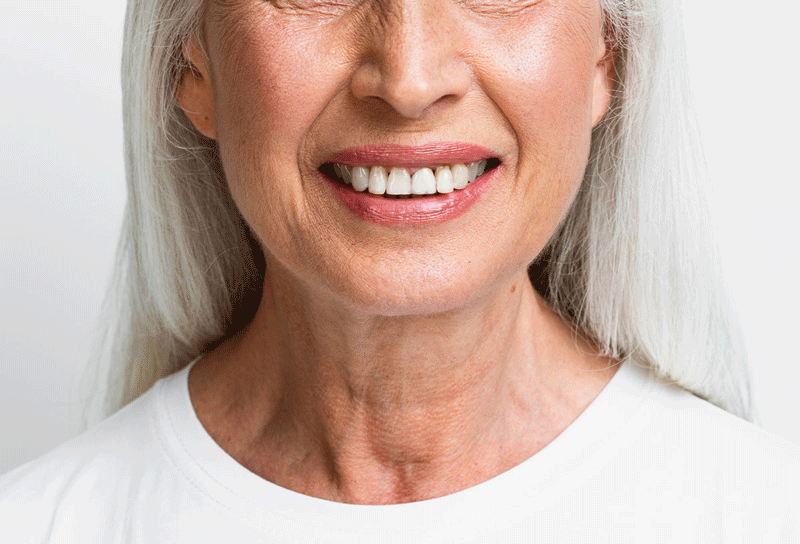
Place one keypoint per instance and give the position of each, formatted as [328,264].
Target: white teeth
[377,180]
[444,179]
[460,176]
[360,178]
[423,182]
[399,181]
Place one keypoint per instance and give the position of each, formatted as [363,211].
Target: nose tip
[408,92]
[413,63]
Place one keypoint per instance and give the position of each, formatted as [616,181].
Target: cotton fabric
[646,462]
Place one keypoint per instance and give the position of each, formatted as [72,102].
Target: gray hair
[633,265]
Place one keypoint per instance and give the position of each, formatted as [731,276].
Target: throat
[382,410]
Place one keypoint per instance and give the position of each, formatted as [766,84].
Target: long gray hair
[634,265]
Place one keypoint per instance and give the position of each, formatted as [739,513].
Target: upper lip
[411,156]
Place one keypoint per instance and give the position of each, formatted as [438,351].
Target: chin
[417,291]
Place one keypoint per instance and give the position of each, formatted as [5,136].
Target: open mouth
[400,182]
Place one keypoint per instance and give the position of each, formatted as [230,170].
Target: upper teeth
[401,181]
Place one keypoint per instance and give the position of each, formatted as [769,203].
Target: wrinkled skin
[380,351]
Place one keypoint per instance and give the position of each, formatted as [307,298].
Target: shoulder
[735,459]
[682,463]
[697,421]
[85,476]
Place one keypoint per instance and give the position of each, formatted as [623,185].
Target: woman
[333,207]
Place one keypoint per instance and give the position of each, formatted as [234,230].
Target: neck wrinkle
[380,410]
[400,399]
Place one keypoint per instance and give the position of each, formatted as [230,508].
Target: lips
[411,156]
[435,199]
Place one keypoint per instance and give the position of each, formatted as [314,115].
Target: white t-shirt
[646,462]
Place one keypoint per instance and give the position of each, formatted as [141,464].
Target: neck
[364,408]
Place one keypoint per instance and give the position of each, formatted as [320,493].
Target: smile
[403,185]
[409,182]
[403,182]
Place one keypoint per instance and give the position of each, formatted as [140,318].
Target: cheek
[542,82]
[552,71]
[271,87]
[266,96]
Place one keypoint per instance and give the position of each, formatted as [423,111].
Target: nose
[412,60]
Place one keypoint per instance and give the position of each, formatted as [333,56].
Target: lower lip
[420,210]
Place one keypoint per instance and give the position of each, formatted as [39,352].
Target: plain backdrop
[62,196]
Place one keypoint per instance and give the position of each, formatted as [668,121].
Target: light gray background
[62,196]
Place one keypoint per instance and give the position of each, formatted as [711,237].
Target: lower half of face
[319,120]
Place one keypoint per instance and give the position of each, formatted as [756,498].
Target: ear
[194,93]
[604,78]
